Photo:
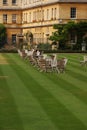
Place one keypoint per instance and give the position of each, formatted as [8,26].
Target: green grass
[30,100]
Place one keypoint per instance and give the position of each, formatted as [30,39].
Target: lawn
[31,100]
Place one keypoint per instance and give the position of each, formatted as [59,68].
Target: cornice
[10,9]
[49,4]
[42,5]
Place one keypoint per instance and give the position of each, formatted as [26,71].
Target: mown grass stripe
[74,58]
[30,111]
[81,69]
[76,79]
[51,106]
[73,68]
[73,55]
[72,88]
[79,76]
[72,80]
[70,56]
[69,68]
[71,102]
[9,116]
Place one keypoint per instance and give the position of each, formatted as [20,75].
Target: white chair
[84,61]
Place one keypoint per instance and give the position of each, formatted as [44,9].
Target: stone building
[11,17]
[39,16]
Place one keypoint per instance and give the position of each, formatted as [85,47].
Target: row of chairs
[44,64]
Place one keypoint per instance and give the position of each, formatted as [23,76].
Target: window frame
[5,2]
[14,18]
[14,2]
[73,11]
[4,18]
[13,38]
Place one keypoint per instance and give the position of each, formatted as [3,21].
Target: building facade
[39,16]
[11,17]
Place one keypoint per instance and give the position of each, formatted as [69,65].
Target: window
[47,14]
[34,16]
[30,17]
[13,2]
[73,13]
[13,18]
[55,12]
[13,38]
[4,18]
[26,17]
[42,14]
[4,2]
[52,14]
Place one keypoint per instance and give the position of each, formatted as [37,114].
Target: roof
[80,1]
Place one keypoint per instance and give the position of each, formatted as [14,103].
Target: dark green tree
[3,35]
[81,33]
[63,31]
[60,34]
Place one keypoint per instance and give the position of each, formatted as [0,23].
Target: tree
[3,35]
[81,32]
[63,31]
[59,34]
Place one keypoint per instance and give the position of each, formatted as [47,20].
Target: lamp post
[83,46]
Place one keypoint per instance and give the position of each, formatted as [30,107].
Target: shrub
[42,46]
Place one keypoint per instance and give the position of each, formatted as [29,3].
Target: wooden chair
[42,65]
[32,60]
[62,64]
[48,66]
